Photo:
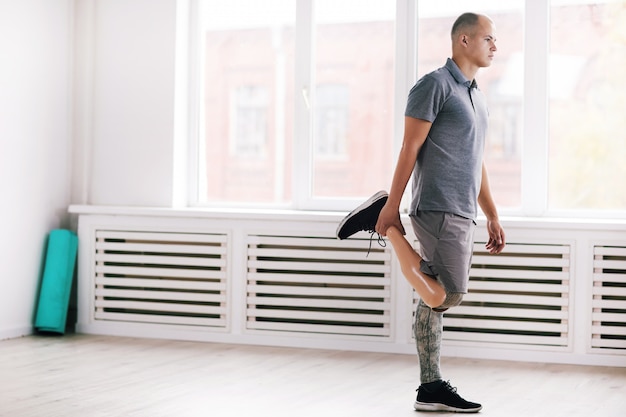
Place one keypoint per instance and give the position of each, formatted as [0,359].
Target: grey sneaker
[364,217]
[445,398]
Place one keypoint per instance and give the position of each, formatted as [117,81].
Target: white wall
[34,147]
[125,101]
[86,116]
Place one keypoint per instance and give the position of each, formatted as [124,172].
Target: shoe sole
[367,204]
[420,406]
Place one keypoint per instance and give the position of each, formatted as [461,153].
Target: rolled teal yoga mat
[57,279]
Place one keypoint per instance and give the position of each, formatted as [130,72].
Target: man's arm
[497,239]
[415,133]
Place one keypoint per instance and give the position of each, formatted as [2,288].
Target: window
[331,120]
[253,118]
[353,74]
[249,127]
[301,102]
[245,117]
[587,147]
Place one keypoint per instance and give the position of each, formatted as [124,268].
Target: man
[444,136]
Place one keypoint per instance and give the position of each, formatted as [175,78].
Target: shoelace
[450,387]
[381,241]
[452,390]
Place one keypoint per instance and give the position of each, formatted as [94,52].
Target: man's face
[482,43]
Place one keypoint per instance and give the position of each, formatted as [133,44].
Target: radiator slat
[320,316]
[507,339]
[617,344]
[162,319]
[520,287]
[325,242]
[160,307]
[509,325]
[151,247]
[148,284]
[608,304]
[347,280]
[309,254]
[317,266]
[142,259]
[523,313]
[528,300]
[329,291]
[610,330]
[608,277]
[607,317]
[316,302]
[149,236]
[140,271]
[537,275]
[515,249]
[335,329]
[537,262]
[619,251]
[160,295]
[610,264]
[610,291]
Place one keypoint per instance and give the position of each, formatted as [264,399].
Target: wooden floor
[92,376]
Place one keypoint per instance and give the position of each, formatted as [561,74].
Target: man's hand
[497,240]
[389,216]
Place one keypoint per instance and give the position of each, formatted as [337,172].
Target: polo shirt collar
[458,75]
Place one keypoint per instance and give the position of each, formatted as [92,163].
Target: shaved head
[465,24]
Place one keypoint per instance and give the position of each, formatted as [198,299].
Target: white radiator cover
[156,277]
[553,295]
[318,285]
[518,298]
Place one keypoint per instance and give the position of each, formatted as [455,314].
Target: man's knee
[453,299]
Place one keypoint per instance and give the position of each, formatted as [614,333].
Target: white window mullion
[536,117]
[302,146]
[196,165]
[405,73]
[182,120]
[279,115]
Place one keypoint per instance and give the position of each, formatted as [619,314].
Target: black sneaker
[364,217]
[444,398]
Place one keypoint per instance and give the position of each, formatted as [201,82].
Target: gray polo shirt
[448,169]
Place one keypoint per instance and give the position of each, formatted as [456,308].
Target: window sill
[330,216]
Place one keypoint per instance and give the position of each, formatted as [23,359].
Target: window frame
[535,107]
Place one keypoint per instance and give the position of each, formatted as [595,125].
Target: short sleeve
[426,99]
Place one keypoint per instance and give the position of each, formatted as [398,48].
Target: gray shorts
[446,247]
